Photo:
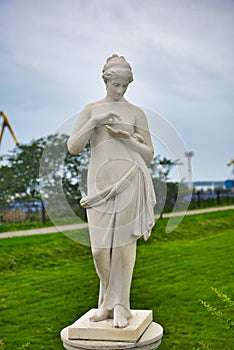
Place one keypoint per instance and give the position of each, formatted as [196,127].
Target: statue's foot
[121,316]
[100,315]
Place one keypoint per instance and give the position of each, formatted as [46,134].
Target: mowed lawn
[48,281]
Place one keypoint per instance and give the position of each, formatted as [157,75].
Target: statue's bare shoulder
[90,106]
[139,114]
[134,108]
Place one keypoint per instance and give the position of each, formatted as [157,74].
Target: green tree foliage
[19,171]
[19,175]
[6,183]
[167,165]
[165,190]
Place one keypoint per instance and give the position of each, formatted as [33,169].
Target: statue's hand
[105,118]
[138,137]
[119,133]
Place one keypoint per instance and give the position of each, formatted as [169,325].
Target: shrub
[14,216]
[222,313]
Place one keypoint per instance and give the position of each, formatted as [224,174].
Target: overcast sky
[181,51]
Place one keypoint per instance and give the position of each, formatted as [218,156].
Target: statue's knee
[97,253]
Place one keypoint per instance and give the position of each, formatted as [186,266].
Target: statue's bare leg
[125,259]
[102,264]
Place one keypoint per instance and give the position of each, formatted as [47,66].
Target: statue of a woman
[120,198]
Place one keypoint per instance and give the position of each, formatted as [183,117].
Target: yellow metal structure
[231,162]
[7,124]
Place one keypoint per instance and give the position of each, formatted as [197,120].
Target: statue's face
[116,87]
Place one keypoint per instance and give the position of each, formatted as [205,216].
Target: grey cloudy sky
[181,51]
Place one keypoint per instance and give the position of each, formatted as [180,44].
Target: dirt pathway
[53,229]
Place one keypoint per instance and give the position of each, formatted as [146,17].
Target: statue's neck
[109,99]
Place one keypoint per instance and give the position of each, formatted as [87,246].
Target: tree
[165,190]
[6,183]
[167,165]
[22,180]
[19,175]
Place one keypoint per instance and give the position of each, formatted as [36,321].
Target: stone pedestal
[141,333]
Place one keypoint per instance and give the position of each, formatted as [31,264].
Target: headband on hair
[117,65]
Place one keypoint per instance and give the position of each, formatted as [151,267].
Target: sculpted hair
[116,66]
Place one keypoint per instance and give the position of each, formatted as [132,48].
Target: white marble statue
[120,198]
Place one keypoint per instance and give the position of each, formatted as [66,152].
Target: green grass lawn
[48,281]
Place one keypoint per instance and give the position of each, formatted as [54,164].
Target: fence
[29,214]
[204,199]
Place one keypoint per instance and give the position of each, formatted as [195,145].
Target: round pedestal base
[150,340]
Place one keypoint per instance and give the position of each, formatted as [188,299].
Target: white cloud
[52,54]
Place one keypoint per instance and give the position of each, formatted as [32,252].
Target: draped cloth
[122,212]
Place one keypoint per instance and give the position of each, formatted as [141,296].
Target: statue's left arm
[145,149]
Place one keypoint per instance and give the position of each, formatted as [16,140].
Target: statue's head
[117,66]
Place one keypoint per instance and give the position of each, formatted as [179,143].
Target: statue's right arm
[81,132]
